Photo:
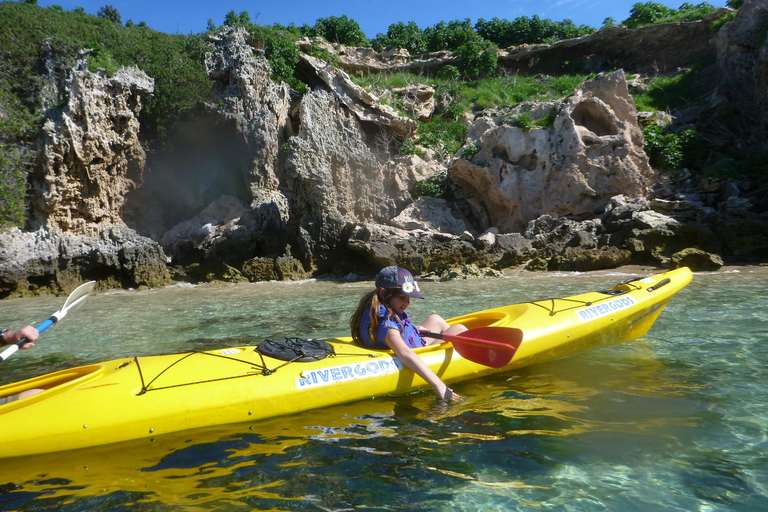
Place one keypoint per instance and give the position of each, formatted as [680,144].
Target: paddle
[489,346]
[75,300]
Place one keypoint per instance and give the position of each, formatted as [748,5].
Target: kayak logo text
[605,308]
[343,373]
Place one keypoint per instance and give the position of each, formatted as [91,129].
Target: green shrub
[449,36]
[752,166]
[453,112]
[442,136]
[526,30]
[433,187]
[109,13]
[670,92]
[340,30]
[522,121]
[477,58]
[646,13]
[14,162]
[649,13]
[282,55]
[449,72]
[408,147]
[401,35]
[547,120]
[671,151]
[469,151]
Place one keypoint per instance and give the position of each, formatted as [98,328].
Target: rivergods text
[605,308]
[347,372]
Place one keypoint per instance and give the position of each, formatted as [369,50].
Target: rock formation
[90,155]
[314,165]
[652,49]
[741,54]
[268,183]
[590,153]
[362,104]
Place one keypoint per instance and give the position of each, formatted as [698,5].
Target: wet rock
[585,259]
[45,261]
[696,260]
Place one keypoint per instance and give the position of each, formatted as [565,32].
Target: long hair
[371,302]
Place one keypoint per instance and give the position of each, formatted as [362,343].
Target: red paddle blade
[490,346]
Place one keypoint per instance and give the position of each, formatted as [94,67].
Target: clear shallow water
[676,421]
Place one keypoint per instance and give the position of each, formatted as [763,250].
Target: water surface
[675,421]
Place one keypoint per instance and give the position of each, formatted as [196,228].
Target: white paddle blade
[75,299]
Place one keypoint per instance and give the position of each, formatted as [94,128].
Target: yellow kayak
[143,397]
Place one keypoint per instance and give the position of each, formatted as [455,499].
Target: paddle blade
[490,346]
[74,301]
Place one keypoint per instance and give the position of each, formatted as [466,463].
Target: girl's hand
[450,396]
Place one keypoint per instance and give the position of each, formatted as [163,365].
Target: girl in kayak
[381,322]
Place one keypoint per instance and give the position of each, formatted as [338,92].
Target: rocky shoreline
[268,184]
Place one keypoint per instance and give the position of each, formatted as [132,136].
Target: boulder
[216,233]
[696,260]
[418,99]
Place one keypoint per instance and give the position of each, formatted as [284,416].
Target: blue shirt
[402,323]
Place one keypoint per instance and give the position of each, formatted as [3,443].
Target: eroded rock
[591,152]
[89,153]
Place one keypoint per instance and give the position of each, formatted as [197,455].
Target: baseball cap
[398,277]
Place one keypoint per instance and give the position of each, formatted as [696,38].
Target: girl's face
[399,302]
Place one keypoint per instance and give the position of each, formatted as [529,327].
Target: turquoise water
[675,421]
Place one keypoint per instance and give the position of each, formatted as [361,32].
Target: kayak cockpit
[47,384]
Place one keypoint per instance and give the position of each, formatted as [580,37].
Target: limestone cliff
[591,152]
[270,183]
[90,155]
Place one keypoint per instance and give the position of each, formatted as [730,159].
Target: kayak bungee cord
[613,292]
[263,369]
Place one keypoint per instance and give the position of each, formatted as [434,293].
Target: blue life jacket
[402,323]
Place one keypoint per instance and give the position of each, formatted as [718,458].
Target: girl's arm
[409,358]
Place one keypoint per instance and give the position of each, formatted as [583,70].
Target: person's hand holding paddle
[11,336]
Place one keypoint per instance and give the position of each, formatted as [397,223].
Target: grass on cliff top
[492,92]
[446,134]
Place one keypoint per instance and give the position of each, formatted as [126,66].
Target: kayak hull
[142,397]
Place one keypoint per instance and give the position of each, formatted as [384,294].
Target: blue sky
[373,16]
